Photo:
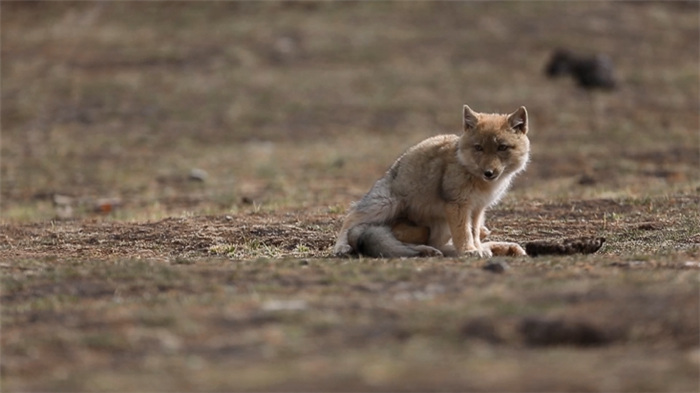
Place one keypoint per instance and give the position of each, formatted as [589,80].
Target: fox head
[493,145]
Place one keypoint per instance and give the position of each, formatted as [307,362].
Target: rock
[587,180]
[594,72]
[197,174]
[496,266]
[539,331]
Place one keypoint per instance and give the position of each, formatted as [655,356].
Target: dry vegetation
[173,175]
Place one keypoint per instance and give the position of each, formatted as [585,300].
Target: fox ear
[470,118]
[518,120]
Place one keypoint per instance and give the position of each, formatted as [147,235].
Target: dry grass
[154,280]
[149,99]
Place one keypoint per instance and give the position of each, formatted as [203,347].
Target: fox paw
[427,251]
[342,251]
[484,233]
[485,252]
[505,249]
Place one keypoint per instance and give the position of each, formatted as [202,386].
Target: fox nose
[489,174]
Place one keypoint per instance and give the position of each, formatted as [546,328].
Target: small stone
[197,174]
[284,305]
[496,266]
[62,200]
[586,180]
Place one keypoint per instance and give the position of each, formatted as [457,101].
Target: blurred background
[144,110]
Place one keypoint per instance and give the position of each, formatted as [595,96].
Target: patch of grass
[253,248]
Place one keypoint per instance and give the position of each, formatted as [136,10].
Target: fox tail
[377,241]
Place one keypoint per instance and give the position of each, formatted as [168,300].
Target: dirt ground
[174,174]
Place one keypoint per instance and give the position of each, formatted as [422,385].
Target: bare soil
[656,225]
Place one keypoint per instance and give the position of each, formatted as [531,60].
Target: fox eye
[478,148]
[503,147]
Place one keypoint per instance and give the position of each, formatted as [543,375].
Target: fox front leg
[478,230]
[459,219]
[477,220]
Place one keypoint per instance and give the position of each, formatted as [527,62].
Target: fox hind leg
[342,246]
[408,232]
[376,207]
[427,251]
[415,237]
[378,241]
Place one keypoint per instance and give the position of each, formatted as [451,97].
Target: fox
[431,201]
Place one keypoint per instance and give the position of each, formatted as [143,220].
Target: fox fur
[431,201]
